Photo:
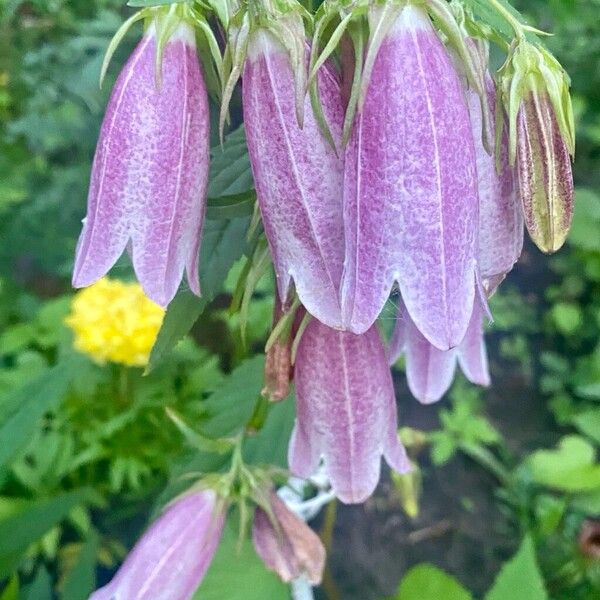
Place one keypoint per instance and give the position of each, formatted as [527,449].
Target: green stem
[124,392]
[326,535]
[487,460]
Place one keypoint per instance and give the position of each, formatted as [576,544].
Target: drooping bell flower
[298,176]
[500,216]
[171,558]
[535,95]
[286,544]
[410,187]
[345,410]
[150,172]
[429,371]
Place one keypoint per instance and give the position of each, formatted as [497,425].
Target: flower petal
[171,558]
[346,410]
[410,197]
[298,177]
[150,172]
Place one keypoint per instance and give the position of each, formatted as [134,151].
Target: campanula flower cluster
[388,162]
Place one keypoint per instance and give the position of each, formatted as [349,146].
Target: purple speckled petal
[472,354]
[150,172]
[410,189]
[291,550]
[298,177]
[346,410]
[171,558]
[430,371]
[500,215]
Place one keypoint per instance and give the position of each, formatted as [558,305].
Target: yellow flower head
[115,321]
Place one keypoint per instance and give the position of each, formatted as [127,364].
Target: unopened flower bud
[286,544]
[544,173]
[535,96]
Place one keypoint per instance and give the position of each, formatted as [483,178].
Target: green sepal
[197,440]
[233,62]
[306,319]
[447,23]
[118,38]
[530,68]
[215,52]
[259,265]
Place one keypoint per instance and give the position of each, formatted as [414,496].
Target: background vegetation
[508,476]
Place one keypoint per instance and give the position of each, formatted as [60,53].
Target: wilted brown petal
[291,548]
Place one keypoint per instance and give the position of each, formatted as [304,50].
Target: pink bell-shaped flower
[430,371]
[150,172]
[346,410]
[410,187]
[298,176]
[171,558]
[500,216]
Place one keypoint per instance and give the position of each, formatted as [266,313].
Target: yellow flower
[114,321]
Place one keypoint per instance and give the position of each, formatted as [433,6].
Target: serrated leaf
[239,575]
[426,582]
[520,577]
[223,243]
[231,406]
[230,172]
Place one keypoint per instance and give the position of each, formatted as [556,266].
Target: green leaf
[586,221]
[520,577]
[567,317]
[426,582]
[587,503]
[270,445]
[223,243]
[486,13]
[21,411]
[11,591]
[572,467]
[239,576]
[588,423]
[81,580]
[230,407]
[145,3]
[40,588]
[231,207]
[230,172]
[32,521]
